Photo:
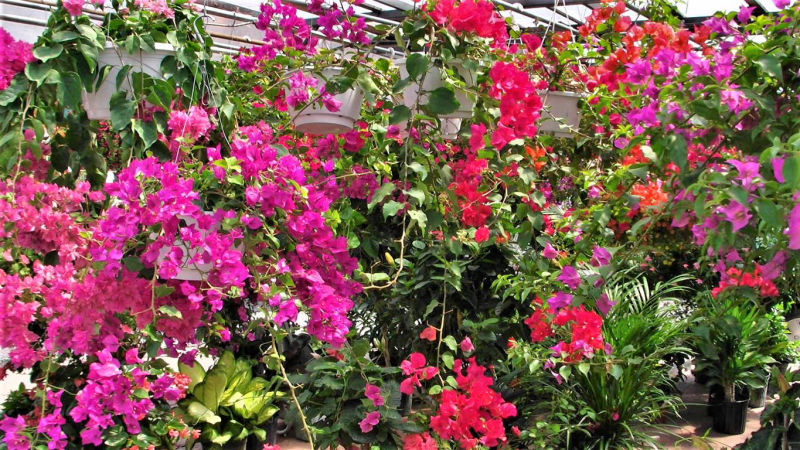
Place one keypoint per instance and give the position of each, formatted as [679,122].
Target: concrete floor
[678,434]
[687,432]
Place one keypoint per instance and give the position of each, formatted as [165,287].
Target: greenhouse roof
[231,24]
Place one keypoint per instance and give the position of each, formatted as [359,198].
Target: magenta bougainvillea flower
[570,277]
[559,300]
[737,214]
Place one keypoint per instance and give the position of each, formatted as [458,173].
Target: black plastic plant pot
[730,417]
[715,396]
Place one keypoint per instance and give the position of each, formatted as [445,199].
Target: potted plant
[329,111]
[730,337]
[230,402]
[779,428]
[560,114]
[117,66]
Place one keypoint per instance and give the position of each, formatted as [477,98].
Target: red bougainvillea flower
[482,234]
[414,368]
[421,441]
[429,333]
[650,194]
[472,415]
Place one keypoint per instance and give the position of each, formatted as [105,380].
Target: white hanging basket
[96,103]
[317,120]
[189,271]
[560,115]
[432,80]
[450,127]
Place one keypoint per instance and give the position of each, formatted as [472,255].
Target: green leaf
[420,217]
[584,368]
[676,150]
[436,389]
[65,36]
[360,348]
[451,343]
[380,194]
[769,212]
[416,65]
[416,194]
[69,90]
[133,263]
[399,114]
[209,392]
[770,64]
[442,101]
[391,208]
[170,311]
[447,359]
[18,85]
[565,371]
[45,54]
[38,72]
[615,371]
[122,110]
[195,372]
[162,290]
[201,413]
[147,131]
[791,171]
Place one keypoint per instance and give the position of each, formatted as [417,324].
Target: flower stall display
[393,255]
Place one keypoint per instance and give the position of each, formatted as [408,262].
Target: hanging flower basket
[431,81]
[189,271]
[96,103]
[560,115]
[318,120]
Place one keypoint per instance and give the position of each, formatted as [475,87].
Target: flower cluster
[519,103]
[585,330]
[294,33]
[415,369]
[472,16]
[14,56]
[734,277]
[473,414]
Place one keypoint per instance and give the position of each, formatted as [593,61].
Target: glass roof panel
[705,8]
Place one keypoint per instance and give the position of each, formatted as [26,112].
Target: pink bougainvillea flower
[781,3]
[570,277]
[429,333]
[477,131]
[559,300]
[777,169]
[73,7]
[600,256]
[743,16]
[369,422]
[604,305]
[549,252]
[466,345]
[794,228]
[737,214]
[373,393]
[14,56]
[13,430]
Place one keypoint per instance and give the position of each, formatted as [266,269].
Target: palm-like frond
[637,297]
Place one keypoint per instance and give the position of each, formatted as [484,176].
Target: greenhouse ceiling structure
[231,24]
